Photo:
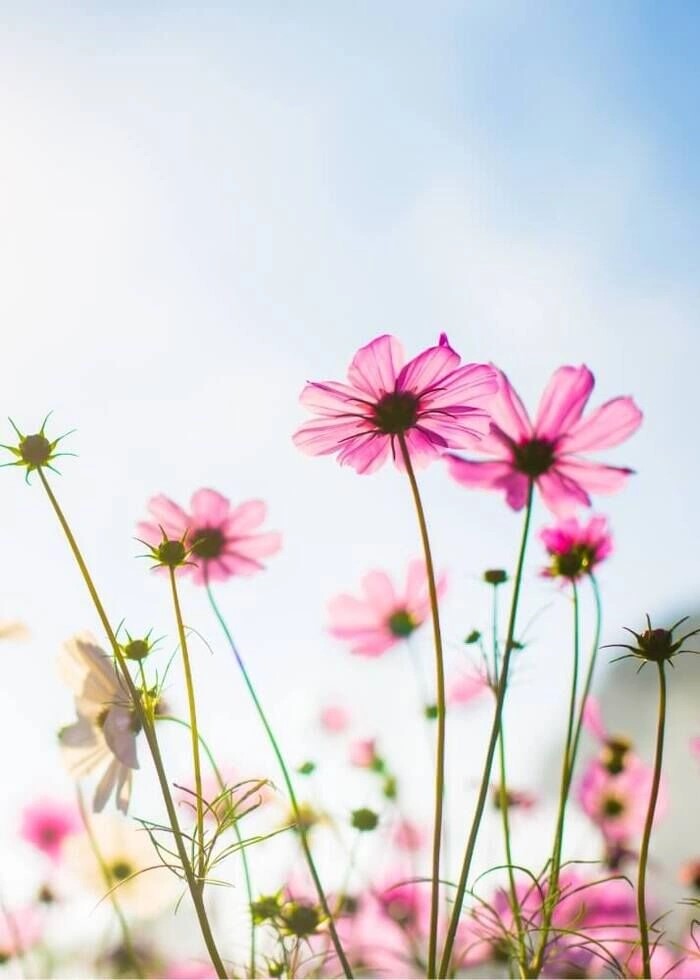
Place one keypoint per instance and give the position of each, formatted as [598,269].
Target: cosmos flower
[47,823]
[145,887]
[223,540]
[430,402]
[616,801]
[689,874]
[238,797]
[467,686]
[189,970]
[408,836]
[20,929]
[576,548]
[334,719]
[383,616]
[363,753]
[549,452]
[104,736]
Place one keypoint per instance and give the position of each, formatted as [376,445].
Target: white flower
[144,887]
[107,725]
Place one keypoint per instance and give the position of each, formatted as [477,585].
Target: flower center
[573,563]
[534,457]
[400,911]
[121,870]
[401,623]
[207,542]
[35,450]
[613,807]
[396,412]
[656,644]
[171,553]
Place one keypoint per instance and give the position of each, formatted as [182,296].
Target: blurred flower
[145,887]
[407,904]
[223,540]
[189,970]
[576,548]
[107,724]
[408,836]
[20,929]
[689,874]
[334,718]
[47,823]
[431,402]
[548,452]
[363,753]
[617,801]
[12,629]
[695,746]
[236,798]
[516,799]
[382,617]
[467,686]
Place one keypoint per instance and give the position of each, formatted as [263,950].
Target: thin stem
[491,750]
[148,730]
[109,883]
[644,851]
[239,837]
[189,683]
[588,683]
[440,690]
[340,952]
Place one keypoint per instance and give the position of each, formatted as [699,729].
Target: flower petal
[119,735]
[463,387]
[380,593]
[246,517]
[333,399]
[209,508]
[105,786]
[169,515]
[256,545]
[563,401]
[561,492]
[375,367]
[594,477]
[366,452]
[349,613]
[507,410]
[321,437]
[425,370]
[608,426]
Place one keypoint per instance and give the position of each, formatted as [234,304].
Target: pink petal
[150,533]
[608,426]
[375,367]
[209,507]
[462,432]
[592,718]
[563,401]
[320,437]
[332,399]
[366,453]
[257,545]
[594,477]
[423,446]
[477,473]
[695,746]
[119,736]
[463,387]
[380,592]
[561,493]
[508,412]
[246,517]
[236,564]
[425,370]
[347,612]
[170,515]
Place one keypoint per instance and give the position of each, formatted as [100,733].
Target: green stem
[588,683]
[491,750]
[109,882]
[189,683]
[239,837]
[644,851]
[148,730]
[340,952]
[441,719]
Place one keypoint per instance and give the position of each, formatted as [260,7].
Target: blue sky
[204,207]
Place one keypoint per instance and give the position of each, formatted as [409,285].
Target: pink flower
[382,617]
[576,548]
[430,402]
[334,718]
[548,452]
[224,540]
[689,874]
[363,753]
[407,904]
[190,970]
[47,823]
[617,801]
[467,686]
[408,836]
[695,746]
[20,929]
[238,795]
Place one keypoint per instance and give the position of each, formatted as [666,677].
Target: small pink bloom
[467,686]
[408,836]
[383,616]
[20,929]
[593,718]
[695,746]
[431,402]
[190,970]
[224,540]
[549,451]
[47,823]
[407,904]
[334,718]
[576,548]
[617,801]
[689,874]
[363,753]
[238,793]
[662,961]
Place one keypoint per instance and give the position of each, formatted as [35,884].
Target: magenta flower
[549,451]
[467,686]
[20,929]
[46,824]
[430,402]
[616,801]
[334,718]
[384,616]
[190,970]
[408,836]
[363,753]
[224,540]
[576,548]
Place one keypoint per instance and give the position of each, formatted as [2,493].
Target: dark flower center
[49,835]
[35,450]
[613,807]
[396,412]
[301,920]
[575,562]
[171,553]
[534,457]
[121,870]
[207,542]
[656,644]
[401,911]
[136,649]
[614,754]
[401,623]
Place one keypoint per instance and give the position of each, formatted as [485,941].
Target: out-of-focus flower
[107,726]
[363,753]
[430,402]
[20,929]
[695,746]
[408,836]
[47,823]
[334,718]
[689,874]
[516,799]
[467,686]
[145,887]
[617,801]
[384,616]
[237,797]
[189,970]
[12,629]
[548,452]
[406,904]
[662,960]
[222,540]
[576,548]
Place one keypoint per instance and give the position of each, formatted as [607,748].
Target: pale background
[204,205]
